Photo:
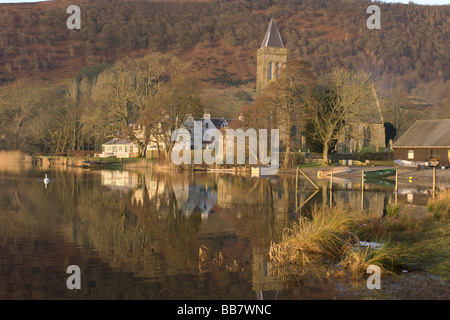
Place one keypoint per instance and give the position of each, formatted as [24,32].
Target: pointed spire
[272,37]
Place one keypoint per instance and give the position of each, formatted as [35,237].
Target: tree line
[157,92]
[146,99]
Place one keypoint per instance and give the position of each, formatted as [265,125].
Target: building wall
[265,56]
[423,154]
[359,135]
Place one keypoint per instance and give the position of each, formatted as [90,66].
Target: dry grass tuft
[329,234]
[440,206]
[357,259]
[326,234]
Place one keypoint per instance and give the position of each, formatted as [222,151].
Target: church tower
[271,57]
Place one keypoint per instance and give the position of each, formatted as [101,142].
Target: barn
[425,141]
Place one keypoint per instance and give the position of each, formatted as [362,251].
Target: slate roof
[218,123]
[272,37]
[426,133]
[116,141]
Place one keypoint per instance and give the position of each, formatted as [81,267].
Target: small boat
[221,170]
[415,164]
[379,173]
[93,164]
[263,171]
[324,173]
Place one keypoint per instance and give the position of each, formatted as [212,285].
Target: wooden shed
[425,141]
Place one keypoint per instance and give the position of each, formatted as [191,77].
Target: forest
[408,58]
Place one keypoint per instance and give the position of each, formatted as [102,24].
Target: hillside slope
[410,53]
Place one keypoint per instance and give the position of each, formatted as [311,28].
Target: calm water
[137,234]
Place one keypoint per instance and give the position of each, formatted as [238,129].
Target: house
[207,124]
[120,148]
[424,141]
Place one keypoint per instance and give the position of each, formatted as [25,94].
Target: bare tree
[17,105]
[398,111]
[340,96]
[154,93]
[283,101]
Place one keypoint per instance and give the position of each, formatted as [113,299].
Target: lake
[147,235]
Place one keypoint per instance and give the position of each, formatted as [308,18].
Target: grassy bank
[348,241]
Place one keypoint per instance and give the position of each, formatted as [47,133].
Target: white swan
[46,181]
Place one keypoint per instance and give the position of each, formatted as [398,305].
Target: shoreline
[407,177]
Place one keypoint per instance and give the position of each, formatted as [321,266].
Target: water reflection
[137,234]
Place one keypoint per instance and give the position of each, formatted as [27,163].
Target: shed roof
[426,133]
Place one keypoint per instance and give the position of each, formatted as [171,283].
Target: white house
[119,148]
[123,148]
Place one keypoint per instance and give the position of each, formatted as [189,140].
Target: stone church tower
[357,134]
[271,57]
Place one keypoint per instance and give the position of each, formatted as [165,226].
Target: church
[272,56]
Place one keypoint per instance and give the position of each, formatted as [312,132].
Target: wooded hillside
[409,54]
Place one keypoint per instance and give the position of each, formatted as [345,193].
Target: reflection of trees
[139,239]
[156,236]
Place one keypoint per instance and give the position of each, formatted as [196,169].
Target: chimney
[206,115]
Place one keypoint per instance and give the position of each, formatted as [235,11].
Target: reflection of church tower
[264,283]
[272,56]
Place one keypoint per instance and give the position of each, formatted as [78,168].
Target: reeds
[440,206]
[357,259]
[325,234]
[394,209]
[329,234]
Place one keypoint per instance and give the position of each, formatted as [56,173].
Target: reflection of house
[188,199]
[119,179]
[200,198]
[120,148]
[426,140]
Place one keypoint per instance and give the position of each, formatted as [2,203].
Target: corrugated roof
[272,37]
[426,133]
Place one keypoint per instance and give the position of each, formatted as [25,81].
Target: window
[277,71]
[434,155]
[270,71]
[410,154]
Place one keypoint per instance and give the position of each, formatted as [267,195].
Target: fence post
[434,182]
